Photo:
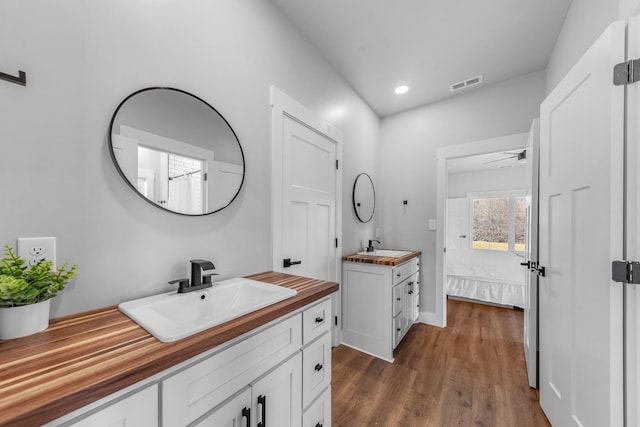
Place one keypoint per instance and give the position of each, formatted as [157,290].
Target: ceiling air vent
[466,83]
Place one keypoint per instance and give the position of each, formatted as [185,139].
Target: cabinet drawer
[189,394]
[316,368]
[397,300]
[316,320]
[403,271]
[139,409]
[319,413]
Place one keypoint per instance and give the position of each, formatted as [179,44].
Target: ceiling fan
[519,155]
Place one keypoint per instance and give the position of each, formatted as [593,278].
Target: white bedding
[489,276]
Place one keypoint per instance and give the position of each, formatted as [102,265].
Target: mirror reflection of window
[176,151]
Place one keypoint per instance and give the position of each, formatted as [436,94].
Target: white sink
[387,253]
[173,316]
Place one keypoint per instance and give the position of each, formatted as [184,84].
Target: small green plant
[24,285]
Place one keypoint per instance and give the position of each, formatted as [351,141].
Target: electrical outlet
[36,249]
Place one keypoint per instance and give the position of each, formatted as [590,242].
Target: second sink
[386,253]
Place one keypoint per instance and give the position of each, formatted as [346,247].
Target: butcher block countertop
[380,260]
[87,356]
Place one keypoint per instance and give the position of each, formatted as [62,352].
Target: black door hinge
[335,320]
[626,72]
[626,272]
[336,242]
[337,163]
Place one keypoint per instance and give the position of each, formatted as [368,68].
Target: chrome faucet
[198,280]
[370,248]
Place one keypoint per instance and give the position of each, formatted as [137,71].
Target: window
[498,223]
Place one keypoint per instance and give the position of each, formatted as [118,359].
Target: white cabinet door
[277,397]
[234,413]
[139,409]
[581,218]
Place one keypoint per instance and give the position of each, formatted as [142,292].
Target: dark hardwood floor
[471,373]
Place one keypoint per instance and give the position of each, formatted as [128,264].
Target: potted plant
[26,292]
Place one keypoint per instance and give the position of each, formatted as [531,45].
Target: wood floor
[471,373]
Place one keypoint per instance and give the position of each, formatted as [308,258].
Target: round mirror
[364,197]
[176,151]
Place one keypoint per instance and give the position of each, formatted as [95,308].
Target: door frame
[282,105]
[443,154]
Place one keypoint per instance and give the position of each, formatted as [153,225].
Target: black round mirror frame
[357,204]
[133,187]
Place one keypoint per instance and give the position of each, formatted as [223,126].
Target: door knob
[288,263]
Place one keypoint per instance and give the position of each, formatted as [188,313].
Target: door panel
[581,157]
[309,192]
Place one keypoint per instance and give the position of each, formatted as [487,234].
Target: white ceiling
[377,45]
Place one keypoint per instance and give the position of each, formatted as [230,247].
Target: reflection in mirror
[176,151]
[364,197]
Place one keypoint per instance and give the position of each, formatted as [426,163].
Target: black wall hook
[20,80]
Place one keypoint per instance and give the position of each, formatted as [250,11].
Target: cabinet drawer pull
[318,367]
[398,275]
[319,319]
[398,329]
[262,401]
[246,413]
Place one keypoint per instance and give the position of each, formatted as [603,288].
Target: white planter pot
[16,322]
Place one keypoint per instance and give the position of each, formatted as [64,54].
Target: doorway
[445,155]
[306,202]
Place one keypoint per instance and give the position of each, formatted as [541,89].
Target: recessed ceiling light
[402,89]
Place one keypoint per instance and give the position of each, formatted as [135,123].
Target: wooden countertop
[87,356]
[380,260]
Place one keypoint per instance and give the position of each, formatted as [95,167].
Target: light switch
[432,224]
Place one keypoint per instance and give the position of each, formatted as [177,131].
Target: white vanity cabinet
[276,375]
[379,303]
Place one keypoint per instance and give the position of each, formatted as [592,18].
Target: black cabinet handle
[318,367]
[410,292]
[398,329]
[398,299]
[262,401]
[319,319]
[246,413]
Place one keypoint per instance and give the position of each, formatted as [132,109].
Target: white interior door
[581,205]
[309,199]
[531,256]
[633,231]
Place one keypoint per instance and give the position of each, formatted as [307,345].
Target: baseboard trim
[367,352]
[430,318]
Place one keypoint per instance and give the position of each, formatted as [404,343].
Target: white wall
[82,58]
[585,21]
[459,184]
[408,157]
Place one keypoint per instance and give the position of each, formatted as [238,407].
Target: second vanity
[380,300]
[100,368]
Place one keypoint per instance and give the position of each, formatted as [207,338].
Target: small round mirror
[176,151]
[364,197]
